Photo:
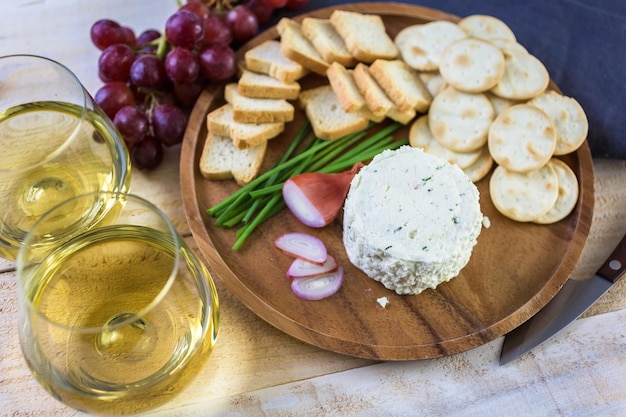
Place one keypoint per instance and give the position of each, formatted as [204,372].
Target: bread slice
[403,86]
[244,135]
[257,110]
[267,58]
[221,160]
[296,47]
[255,84]
[328,119]
[376,99]
[365,35]
[350,97]
[326,40]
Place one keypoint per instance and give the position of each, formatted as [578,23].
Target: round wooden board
[515,269]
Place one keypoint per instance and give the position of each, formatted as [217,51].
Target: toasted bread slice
[221,160]
[257,85]
[348,93]
[376,99]
[326,40]
[328,119]
[257,110]
[267,58]
[244,135]
[403,86]
[295,46]
[365,35]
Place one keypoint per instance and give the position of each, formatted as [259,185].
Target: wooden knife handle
[615,266]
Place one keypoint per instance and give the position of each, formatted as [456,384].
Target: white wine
[51,152]
[133,327]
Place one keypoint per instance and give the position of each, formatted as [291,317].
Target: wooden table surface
[258,370]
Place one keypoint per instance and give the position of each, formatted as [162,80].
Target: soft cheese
[411,220]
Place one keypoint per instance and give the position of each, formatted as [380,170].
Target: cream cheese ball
[411,220]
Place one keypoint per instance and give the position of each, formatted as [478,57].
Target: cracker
[526,196]
[421,45]
[570,121]
[472,65]
[500,104]
[486,27]
[460,121]
[567,196]
[508,46]
[479,169]
[522,138]
[525,77]
[433,81]
[420,136]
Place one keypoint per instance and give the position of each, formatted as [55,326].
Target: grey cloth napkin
[582,44]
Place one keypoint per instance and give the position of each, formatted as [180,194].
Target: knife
[570,303]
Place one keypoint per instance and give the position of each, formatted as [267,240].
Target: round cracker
[420,136]
[522,138]
[479,169]
[500,104]
[460,121]
[433,81]
[567,196]
[569,118]
[472,65]
[486,27]
[508,46]
[524,77]
[421,45]
[524,197]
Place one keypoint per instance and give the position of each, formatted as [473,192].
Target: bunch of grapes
[152,81]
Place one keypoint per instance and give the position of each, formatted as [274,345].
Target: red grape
[129,34]
[242,22]
[168,124]
[188,93]
[147,71]
[113,96]
[198,8]
[106,32]
[296,4]
[183,29]
[145,39]
[216,31]
[132,123]
[147,154]
[114,63]
[218,63]
[261,10]
[181,65]
[277,4]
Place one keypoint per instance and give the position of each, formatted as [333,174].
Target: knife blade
[570,302]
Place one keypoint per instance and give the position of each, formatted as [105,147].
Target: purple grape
[106,32]
[114,63]
[169,123]
[132,123]
[218,63]
[183,29]
[147,71]
[145,39]
[112,96]
[243,23]
[181,65]
[147,154]
[216,31]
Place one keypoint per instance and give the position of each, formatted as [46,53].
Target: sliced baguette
[326,40]
[295,46]
[376,99]
[244,135]
[267,58]
[328,119]
[257,110]
[403,86]
[221,160]
[365,35]
[257,85]
[348,93]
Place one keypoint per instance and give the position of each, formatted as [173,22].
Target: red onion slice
[303,246]
[304,269]
[300,205]
[318,287]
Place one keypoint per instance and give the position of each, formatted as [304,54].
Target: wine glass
[55,143]
[118,315]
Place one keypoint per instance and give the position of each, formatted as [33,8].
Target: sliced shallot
[303,246]
[318,287]
[316,198]
[304,269]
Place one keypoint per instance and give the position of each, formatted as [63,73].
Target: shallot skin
[316,198]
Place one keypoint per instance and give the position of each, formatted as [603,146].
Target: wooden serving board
[515,269]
